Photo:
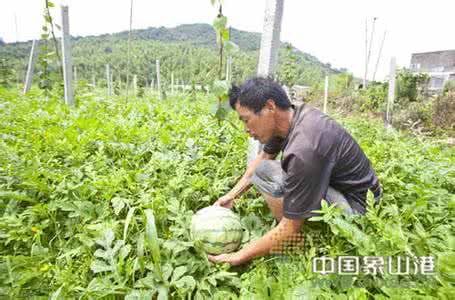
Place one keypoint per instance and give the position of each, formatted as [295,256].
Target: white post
[268,54]
[66,52]
[18,79]
[172,83]
[391,95]
[93,81]
[326,93]
[75,75]
[228,69]
[135,85]
[366,55]
[31,66]
[152,84]
[108,80]
[112,82]
[158,79]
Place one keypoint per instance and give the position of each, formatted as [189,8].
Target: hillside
[185,49]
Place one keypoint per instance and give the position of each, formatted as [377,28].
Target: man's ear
[270,105]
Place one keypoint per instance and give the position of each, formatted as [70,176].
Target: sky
[331,30]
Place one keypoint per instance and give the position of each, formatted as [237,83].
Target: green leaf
[140,245]
[186,283]
[220,88]
[99,266]
[152,239]
[139,295]
[178,272]
[231,47]
[225,35]
[108,238]
[163,292]
[221,113]
[102,254]
[219,24]
[55,295]
[128,219]
[118,204]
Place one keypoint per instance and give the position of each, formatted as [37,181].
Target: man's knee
[261,169]
[268,178]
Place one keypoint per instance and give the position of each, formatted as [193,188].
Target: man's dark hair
[255,92]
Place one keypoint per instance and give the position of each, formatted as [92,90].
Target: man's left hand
[234,259]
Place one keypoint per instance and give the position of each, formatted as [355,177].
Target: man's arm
[271,240]
[245,182]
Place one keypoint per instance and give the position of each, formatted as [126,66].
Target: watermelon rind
[218,229]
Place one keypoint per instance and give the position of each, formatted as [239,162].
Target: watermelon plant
[97,202]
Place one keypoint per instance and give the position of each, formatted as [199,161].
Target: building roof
[436,61]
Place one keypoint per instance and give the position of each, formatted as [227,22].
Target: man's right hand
[225,201]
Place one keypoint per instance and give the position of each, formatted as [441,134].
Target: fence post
[66,54]
[108,80]
[326,93]
[391,94]
[158,79]
[31,65]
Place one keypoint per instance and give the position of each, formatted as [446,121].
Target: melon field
[96,202]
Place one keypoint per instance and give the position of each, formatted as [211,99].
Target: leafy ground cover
[96,202]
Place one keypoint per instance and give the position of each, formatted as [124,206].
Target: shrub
[444,111]
[449,87]
[409,84]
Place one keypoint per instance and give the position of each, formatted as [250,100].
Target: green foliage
[443,114]
[6,73]
[449,87]
[408,84]
[374,97]
[342,84]
[220,88]
[288,71]
[96,202]
[49,72]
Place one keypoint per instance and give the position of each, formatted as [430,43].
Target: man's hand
[234,259]
[273,239]
[225,201]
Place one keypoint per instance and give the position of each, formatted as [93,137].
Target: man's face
[260,126]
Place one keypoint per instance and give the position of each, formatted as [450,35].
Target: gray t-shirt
[318,153]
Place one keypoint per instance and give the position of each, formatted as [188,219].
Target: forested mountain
[187,51]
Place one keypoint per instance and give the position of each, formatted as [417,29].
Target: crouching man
[320,160]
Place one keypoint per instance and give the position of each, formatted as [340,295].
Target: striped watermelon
[217,228]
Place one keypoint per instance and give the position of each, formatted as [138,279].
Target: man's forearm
[271,240]
[245,182]
[243,185]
